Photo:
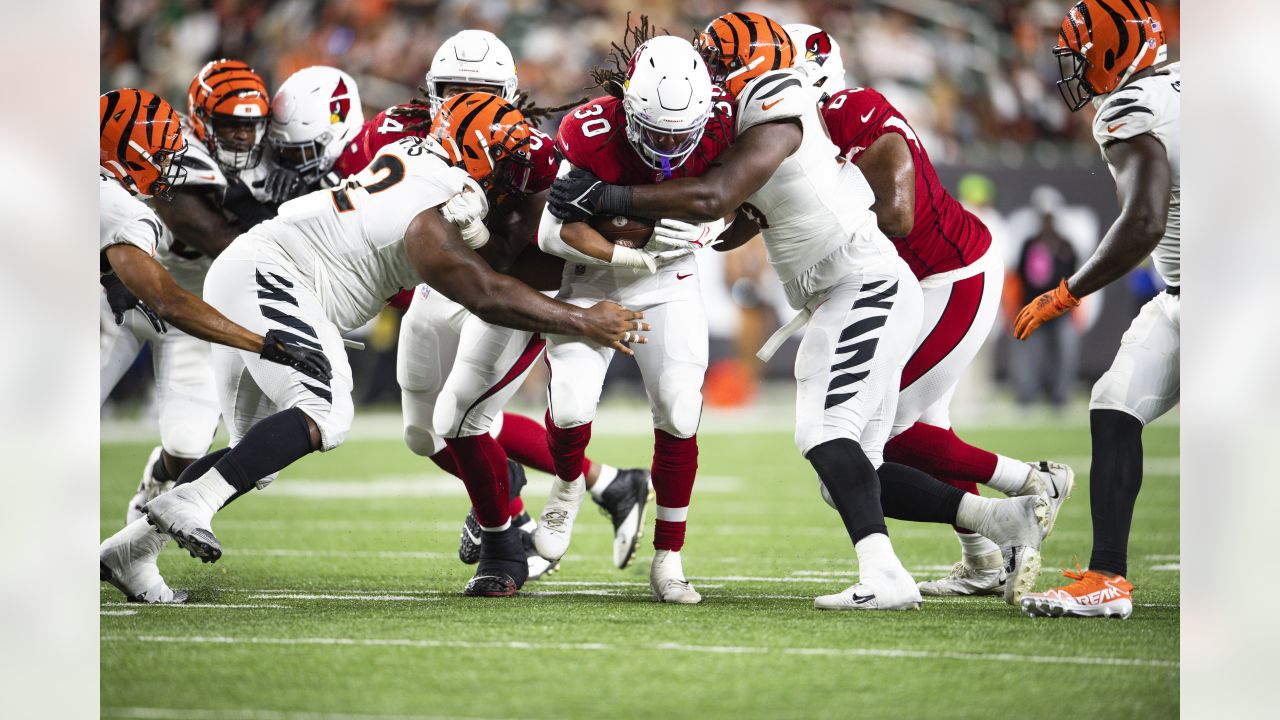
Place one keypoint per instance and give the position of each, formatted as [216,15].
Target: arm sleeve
[549,240]
[777,95]
[1125,113]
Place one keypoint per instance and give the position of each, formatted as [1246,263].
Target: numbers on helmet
[390,125]
[394,168]
[592,128]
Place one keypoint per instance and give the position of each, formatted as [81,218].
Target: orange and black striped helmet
[141,144]
[489,138]
[1102,43]
[229,109]
[738,47]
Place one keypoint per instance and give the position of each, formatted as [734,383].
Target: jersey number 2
[395,173]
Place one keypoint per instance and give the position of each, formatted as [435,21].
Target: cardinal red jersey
[385,128]
[594,138]
[945,236]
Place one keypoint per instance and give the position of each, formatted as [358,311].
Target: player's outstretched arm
[154,286]
[891,173]
[446,264]
[739,171]
[1143,181]
[193,220]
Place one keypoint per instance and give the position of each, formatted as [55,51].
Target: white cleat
[127,560]
[969,580]
[555,527]
[1053,481]
[666,580]
[183,514]
[878,588]
[148,489]
[539,566]
[1018,525]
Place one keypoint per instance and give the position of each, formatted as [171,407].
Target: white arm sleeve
[549,240]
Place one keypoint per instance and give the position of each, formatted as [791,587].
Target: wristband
[615,200]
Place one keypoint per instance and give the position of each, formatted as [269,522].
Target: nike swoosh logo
[866,117]
[470,536]
[681,277]
[860,599]
[766,106]
[1117,126]
[1054,488]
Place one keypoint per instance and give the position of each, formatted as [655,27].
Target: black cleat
[469,541]
[501,585]
[516,478]
[503,569]
[624,501]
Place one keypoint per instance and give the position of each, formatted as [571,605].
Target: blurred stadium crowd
[975,77]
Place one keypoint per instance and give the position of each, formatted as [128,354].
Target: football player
[1113,56]
[665,123]
[949,251]
[316,115]
[141,152]
[860,304]
[325,265]
[431,341]
[211,204]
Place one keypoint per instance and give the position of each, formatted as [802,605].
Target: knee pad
[422,441]
[825,493]
[681,415]
[569,406]
[185,441]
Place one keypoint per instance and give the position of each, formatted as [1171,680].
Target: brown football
[624,231]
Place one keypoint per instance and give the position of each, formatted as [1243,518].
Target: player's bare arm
[741,170]
[192,219]
[891,173]
[740,232]
[1143,180]
[446,264]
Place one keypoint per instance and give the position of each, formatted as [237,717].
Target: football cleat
[555,527]
[624,502]
[502,569]
[1091,595]
[1054,481]
[878,588]
[1018,525]
[666,580]
[148,488]
[538,565]
[127,560]
[965,580]
[469,540]
[183,515]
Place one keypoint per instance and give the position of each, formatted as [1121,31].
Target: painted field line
[304,591]
[144,713]
[380,554]
[662,647]
[117,613]
[377,598]
[197,606]
[1168,567]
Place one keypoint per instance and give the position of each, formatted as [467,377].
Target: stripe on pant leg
[953,325]
[321,392]
[267,291]
[288,320]
[882,300]
[527,356]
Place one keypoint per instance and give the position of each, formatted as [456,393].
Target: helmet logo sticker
[340,105]
[817,47]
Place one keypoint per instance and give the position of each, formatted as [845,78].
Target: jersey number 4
[395,173]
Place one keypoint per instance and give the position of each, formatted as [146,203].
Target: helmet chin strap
[745,69]
[666,166]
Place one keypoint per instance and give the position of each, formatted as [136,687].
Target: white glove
[635,258]
[467,211]
[671,235]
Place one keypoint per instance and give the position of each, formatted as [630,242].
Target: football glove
[309,361]
[122,301]
[671,234]
[578,195]
[284,184]
[1043,309]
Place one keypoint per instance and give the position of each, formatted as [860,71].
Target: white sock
[973,511]
[213,490]
[875,549]
[140,532]
[567,490]
[530,525]
[976,549]
[608,474]
[1010,475]
[500,528]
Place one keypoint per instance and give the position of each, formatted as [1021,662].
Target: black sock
[910,494]
[271,445]
[1114,480]
[851,480]
[160,471]
[503,552]
[516,478]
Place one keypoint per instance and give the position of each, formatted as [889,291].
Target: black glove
[122,301]
[277,349]
[284,184]
[578,196]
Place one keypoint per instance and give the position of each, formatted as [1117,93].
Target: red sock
[526,442]
[446,461]
[568,448]
[942,454]
[517,506]
[675,465]
[484,472]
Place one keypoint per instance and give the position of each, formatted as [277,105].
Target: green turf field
[339,597]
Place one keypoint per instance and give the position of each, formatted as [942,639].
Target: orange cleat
[1091,595]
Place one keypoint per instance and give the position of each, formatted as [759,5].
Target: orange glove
[1043,309]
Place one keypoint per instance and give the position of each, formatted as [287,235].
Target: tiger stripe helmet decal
[223,95]
[1102,43]
[488,137]
[739,47]
[141,142]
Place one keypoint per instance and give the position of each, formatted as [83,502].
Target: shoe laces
[554,519]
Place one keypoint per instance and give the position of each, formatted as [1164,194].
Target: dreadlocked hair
[417,112]
[612,80]
[535,113]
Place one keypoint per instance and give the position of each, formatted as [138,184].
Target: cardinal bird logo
[817,47]
[340,104]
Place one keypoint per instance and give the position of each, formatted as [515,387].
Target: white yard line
[668,647]
[144,713]
[371,598]
[215,606]
[117,613]
[380,554]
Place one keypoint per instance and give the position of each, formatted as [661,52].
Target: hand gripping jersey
[594,138]
[1151,105]
[813,205]
[347,243]
[124,219]
[945,236]
[385,128]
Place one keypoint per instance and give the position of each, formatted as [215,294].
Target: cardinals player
[1112,55]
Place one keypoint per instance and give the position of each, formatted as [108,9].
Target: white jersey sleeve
[125,220]
[1151,106]
[202,169]
[776,95]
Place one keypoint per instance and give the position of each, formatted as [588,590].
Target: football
[624,231]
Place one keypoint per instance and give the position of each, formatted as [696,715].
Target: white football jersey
[348,243]
[124,219]
[814,204]
[1151,105]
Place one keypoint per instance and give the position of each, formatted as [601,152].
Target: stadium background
[975,79]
